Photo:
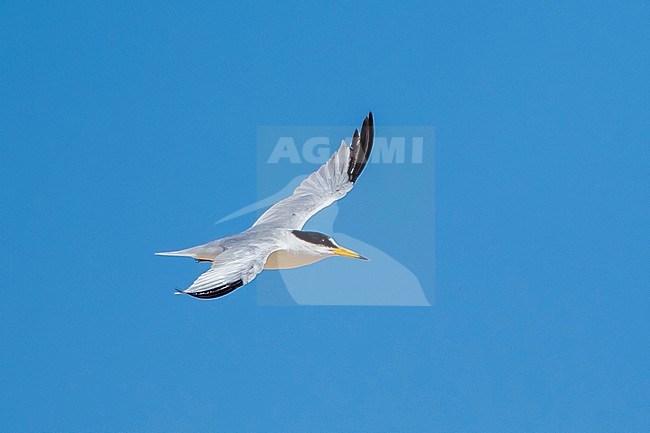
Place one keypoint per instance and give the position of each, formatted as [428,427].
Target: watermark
[387,217]
[317,150]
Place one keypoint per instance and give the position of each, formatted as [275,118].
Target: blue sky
[130,127]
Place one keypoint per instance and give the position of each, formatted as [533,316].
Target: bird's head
[321,243]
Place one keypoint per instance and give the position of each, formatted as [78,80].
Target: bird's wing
[230,270]
[329,183]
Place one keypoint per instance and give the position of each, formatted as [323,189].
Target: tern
[276,240]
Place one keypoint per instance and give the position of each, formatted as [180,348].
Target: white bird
[276,240]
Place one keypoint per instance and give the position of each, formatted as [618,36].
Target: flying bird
[276,240]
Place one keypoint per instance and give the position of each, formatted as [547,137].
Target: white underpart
[286,259]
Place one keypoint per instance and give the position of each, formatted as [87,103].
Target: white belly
[284,259]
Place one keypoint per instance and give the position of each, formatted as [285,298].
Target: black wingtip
[368,132]
[217,292]
[361,147]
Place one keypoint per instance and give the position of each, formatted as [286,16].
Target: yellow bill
[344,252]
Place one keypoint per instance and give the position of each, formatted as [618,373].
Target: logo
[388,217]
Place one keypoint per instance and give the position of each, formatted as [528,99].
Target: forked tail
[202,253]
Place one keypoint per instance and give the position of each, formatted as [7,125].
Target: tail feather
[180,253]
[202,253]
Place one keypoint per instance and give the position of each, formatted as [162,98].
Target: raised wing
[230,270]
[329,183]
